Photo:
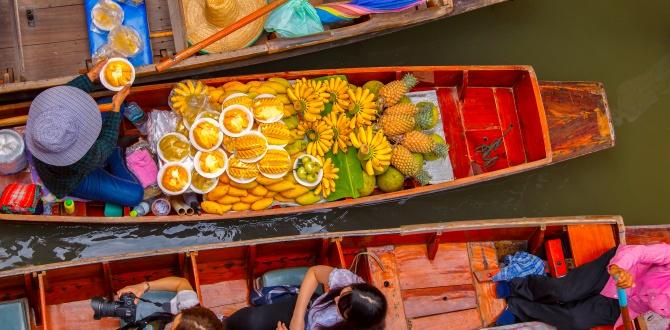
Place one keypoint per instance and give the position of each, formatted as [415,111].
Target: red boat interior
[430,277]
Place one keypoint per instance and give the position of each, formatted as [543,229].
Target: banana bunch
[374,150]
[339,122]
[309,98]
[327,184]
[187,95]
[362,107]
[338,89]
[319,136]
[276,133]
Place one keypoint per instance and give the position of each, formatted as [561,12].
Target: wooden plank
[387,281]
[177,24]
[41,285]
[462,320]
[589,242]
[195,273]
[225,293]
[450,266]
[579,118]
[483,257]
[431,301]
[78,315]
[648,234]
[53,59]
[54,24]
[158,15]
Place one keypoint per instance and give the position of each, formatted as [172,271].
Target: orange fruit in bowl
[118,73]
[212,162]
[236,120]
[206,134]
[266,109]
[175,178]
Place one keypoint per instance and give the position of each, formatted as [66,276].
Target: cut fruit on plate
[211,164]
[174,178]
[117,73]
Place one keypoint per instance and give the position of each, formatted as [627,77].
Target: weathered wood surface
[588,242]
[648,234]
[463,320]
[483,257]
[272,50]
[387,281]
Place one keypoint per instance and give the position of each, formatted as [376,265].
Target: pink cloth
[650,267]
[142,164]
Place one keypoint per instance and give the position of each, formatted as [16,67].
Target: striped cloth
[521,264]
[346,11]
[18,198]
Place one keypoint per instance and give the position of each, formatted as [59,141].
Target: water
[625,44]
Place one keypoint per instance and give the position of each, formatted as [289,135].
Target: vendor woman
[74,146]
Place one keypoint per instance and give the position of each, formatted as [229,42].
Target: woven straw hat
[206,17]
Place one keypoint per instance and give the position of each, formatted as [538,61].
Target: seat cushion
[286,276]
[14,314]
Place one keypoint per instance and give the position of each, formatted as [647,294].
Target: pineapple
[403,160]
[392,92]
[403,118]
[417,141]
[402,109]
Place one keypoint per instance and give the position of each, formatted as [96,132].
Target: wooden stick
[188,52]
[22,120]
[160,34]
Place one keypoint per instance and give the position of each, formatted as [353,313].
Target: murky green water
[623,43]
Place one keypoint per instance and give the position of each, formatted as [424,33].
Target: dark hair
[362,309]
[199,318]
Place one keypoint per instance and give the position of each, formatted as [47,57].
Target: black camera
[124,309]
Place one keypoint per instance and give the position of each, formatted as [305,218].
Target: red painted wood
[509,124]
[453,131]
[479,138]
[529,115]
[479,109]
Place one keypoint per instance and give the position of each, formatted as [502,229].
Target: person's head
[196,318]
[362,306]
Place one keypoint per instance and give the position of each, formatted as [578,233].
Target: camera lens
[102,307]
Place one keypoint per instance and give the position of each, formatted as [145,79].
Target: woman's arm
[315,275]
[171,283]
[85,81]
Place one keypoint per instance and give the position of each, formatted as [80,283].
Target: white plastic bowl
[264,96]
[191,134]
[202,192]
[160,152]
[275,176]
[161,172]
[247,111]
[196,164]
[253,160]
[258,129]
[319,176]
[234,95]
[103,79]
[239,180]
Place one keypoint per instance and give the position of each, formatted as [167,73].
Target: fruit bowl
[236,120]
[298,163]
[211,164]
[240,171]
[173,147]
[267,109]
[275,164]
[107,15]
[205,134]
[251,147]
[117,73]
[202,185]
[174,178]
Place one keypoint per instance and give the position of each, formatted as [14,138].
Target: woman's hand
[119,98]
[137,289]
[623,278]
[94,73]
[281,326]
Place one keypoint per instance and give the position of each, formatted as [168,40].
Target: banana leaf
[350,176]
[324,78]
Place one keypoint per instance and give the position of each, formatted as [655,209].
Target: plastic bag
[160,123]
[125,41]
[296,18]
[107,15]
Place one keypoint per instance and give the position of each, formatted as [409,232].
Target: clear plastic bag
[160,123]
[125,41]
[106,15]
[294,19]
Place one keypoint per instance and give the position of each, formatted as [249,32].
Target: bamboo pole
[188,52]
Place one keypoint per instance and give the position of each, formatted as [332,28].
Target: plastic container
[106,83]
[137,116]
[191,134]
[247,111]
[274,119]
[111,10]
[233,160]
[275,176]
[141,209]
[255,159]
[195,176]
[125,40]
[259,130]
[232,96]
[161,207]
[12,152]
[161,173]
[205,174]
[301,181]
[160,151]
[68,206]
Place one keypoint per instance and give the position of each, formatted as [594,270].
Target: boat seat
[286,276]
[14,314]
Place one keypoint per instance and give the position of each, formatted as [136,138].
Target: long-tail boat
[526,123]
[431,274]
[45,42]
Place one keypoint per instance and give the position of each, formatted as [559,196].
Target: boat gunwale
[438,227]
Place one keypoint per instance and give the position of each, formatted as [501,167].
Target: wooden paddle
[188,52]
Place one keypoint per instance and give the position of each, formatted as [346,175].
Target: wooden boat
[38,30]
[540,123]
[433,274]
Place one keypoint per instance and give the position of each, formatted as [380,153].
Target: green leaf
[350,176]
[343,77]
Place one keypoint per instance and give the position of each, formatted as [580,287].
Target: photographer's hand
[138,290]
